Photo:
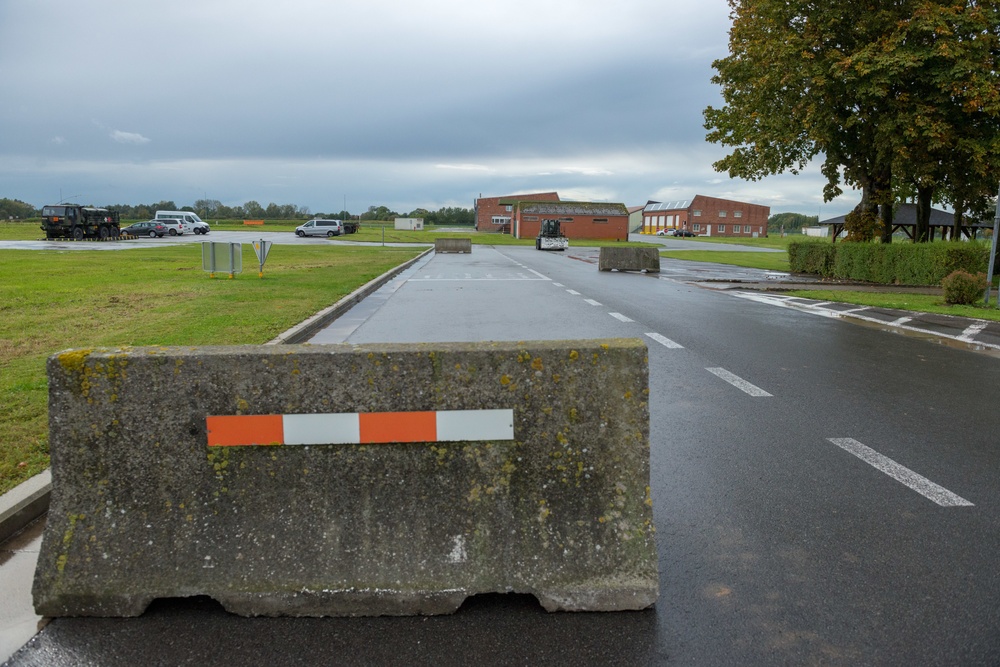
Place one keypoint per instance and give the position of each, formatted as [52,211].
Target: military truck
[550,237]
[79,222]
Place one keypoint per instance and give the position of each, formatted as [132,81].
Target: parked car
[317,227]
[174,226]
[197,225]
[151,228]
[683,232]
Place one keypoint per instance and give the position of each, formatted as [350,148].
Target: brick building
[492,216]
[707,216]
[579,220]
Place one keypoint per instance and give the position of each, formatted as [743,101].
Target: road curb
[24,503]
[30,500]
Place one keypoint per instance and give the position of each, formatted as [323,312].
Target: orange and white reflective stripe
[354,428]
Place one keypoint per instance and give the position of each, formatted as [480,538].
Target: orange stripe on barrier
[233,430]
[381,427]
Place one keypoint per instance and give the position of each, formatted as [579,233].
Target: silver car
[174,227]
[319,227]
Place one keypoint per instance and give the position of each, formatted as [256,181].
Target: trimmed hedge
[890,264]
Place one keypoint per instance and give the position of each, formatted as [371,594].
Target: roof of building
[668,205]
[572,207]
[906,214]
[537,196]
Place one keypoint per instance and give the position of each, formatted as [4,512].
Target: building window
[737,214]
[500,220]
[722,214]
[746,229]
[722,229]
[736,229]
[696,227]
[509,208]
[600,220]
[696,214]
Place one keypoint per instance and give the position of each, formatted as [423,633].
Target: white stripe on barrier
[455,425]
[333,429]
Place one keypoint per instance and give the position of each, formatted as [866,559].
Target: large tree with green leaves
[885,91]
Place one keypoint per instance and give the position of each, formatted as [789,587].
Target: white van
[187,218]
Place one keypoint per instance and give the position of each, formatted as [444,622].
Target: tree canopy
[899,98]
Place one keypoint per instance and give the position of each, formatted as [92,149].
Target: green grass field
[54,300]
[768,261]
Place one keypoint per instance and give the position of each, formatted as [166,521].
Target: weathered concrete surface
[453,245]
[629,259]
[142,508]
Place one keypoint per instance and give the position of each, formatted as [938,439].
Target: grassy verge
[54,300]
[768,261]
[924,303]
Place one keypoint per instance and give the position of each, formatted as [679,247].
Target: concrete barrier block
[349,480]
[629,259]
[453,245]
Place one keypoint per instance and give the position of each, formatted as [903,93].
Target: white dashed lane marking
[901,474]
[592,302]
[665,342]
[737,382]
[619,316]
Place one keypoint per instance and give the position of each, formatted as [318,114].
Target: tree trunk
[885,214]
[956,226]
[921,232]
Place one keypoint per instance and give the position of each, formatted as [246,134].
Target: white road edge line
[902,474]
[619,316]
[665,342]
[737,382]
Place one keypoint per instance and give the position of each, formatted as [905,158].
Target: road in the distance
[778,439]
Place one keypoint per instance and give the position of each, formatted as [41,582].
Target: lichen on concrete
[562,511]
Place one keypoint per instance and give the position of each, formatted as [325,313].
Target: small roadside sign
[261,248]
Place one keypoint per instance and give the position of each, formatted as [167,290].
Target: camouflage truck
[79,222]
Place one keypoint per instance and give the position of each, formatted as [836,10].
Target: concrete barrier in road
[453,245]
[349,480]
[629,259]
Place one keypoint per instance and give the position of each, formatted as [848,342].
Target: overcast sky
[407,104]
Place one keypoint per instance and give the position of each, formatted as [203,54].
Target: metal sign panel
[262,247]
[222,257]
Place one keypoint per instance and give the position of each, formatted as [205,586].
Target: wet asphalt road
[776,544]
